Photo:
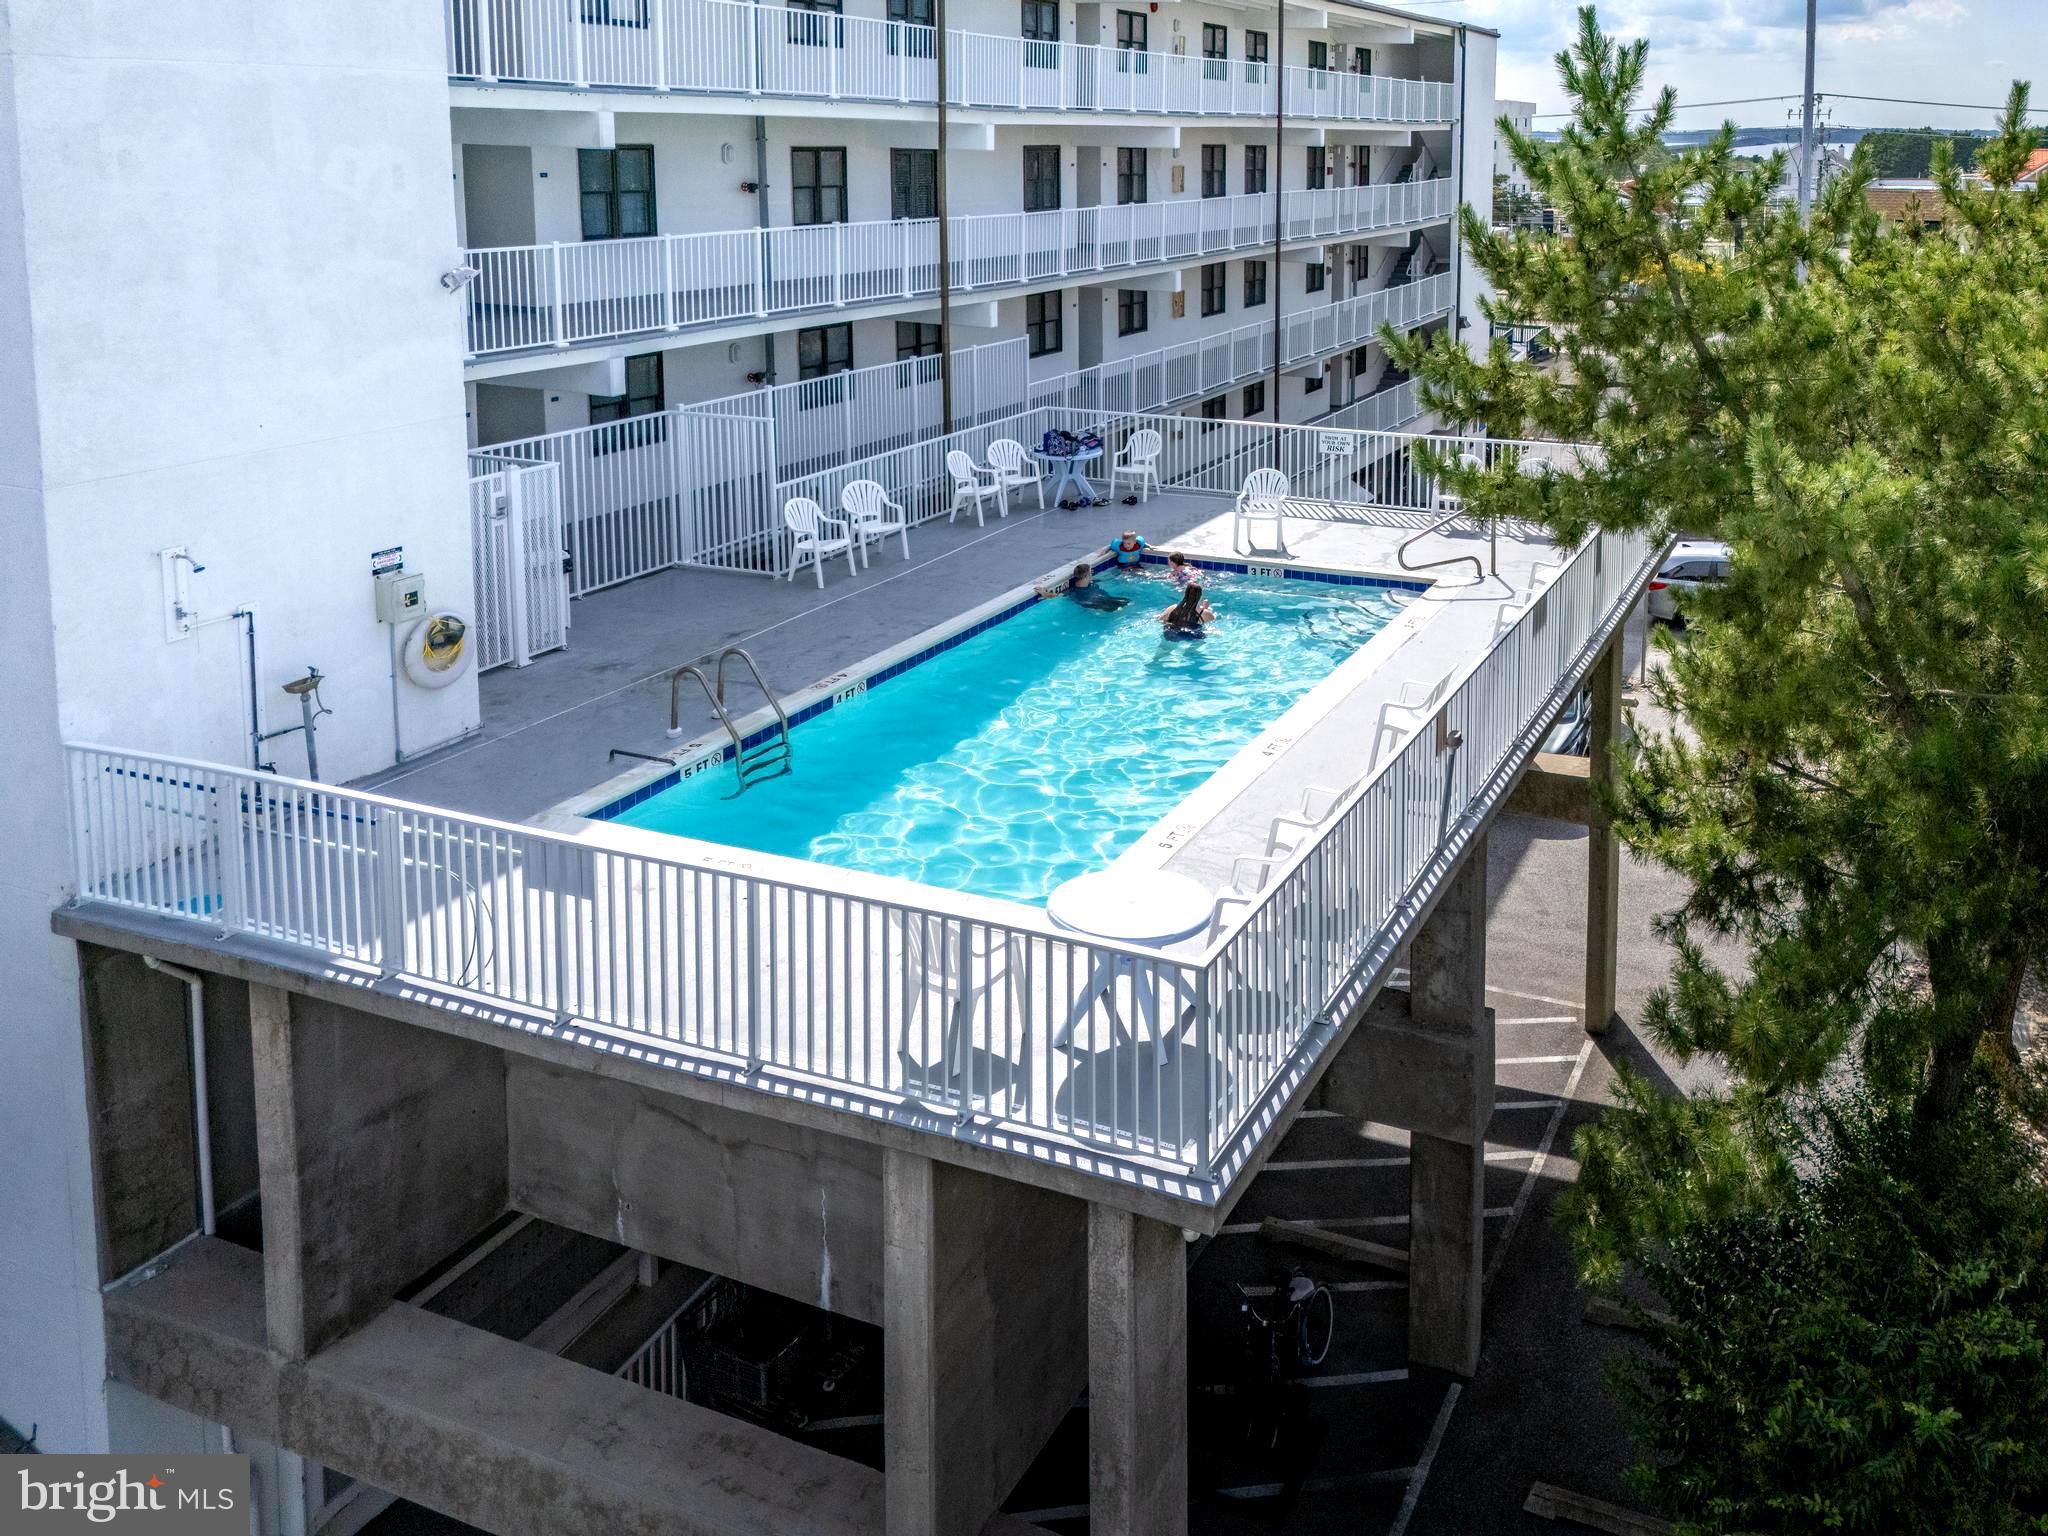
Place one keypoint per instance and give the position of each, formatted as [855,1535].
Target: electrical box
[401,596]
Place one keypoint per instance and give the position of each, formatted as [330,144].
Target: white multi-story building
[1523,115]
[238,299]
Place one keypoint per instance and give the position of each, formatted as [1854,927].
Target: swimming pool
[1039,748]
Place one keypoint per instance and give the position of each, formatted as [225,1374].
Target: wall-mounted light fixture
[458,278]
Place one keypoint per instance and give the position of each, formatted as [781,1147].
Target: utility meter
[401,596]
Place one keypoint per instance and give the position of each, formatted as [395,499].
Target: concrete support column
[1446,1200]
[380,1148]
[983,1345]
[1603,850]
[1137,1376]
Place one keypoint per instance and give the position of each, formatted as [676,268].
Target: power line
[1897,101]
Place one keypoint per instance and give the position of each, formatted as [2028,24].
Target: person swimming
[1186,617]
[1179,569]
[1129,550]
[1082,589]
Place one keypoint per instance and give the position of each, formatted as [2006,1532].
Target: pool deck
[548,727]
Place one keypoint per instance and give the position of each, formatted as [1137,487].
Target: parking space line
[1529,1103]
[1534,1061]
[1535,1170]
[1356,1378]
[1328,1164]
[1429,1450]
[1539,1018]
[1318,1484]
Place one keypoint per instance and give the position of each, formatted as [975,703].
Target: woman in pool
[1186,617]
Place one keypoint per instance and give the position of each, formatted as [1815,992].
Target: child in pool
[1129,550]
[1178,568]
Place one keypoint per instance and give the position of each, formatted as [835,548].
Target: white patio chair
[972,483]
[1262,500]
[964,964]
[1448,502]
[808,522]
[1510,613]
[1400,715]
[872,515]
[1139,463]
[1015,468]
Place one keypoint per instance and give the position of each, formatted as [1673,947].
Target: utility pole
[945,243]
[1806,188]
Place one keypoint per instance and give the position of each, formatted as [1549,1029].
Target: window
[1041,27]
[817,186]
[916,340]
[1133,311]
[1315,277]
[1043,322]
[617,187]
[1130,175]
[1361,262]
[1215,49]
[1318,55]
[1361,60]
[1214,411]
[1215,170]
[822,350]
[1255,167]
[1041,177]
[913,184]
[1254,284]
[642,398]
[1212,289]
[815,23]
[1255,47]
[1131,43]
[1316,166]
[909,14]
[1255,398]
[1361,359]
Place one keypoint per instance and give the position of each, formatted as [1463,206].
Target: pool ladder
[769,759]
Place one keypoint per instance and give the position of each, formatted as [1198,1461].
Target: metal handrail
[760,682]
[1401,554]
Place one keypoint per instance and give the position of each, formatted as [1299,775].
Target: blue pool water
[1041,748]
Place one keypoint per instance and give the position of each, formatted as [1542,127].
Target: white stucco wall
[220,326]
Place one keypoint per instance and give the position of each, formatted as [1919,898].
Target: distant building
[2036,168]
[1523,115]
[1904,200]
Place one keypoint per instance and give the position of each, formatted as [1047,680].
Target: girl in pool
[1187,616]
[1178,568]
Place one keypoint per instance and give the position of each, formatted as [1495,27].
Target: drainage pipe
[202,1126]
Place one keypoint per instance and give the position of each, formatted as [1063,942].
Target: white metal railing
[834,985]
[728,47]
[535,296]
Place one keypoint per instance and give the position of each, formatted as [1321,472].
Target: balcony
[726,48]
[531,297]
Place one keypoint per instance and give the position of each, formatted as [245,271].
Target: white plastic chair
[1510,613]
[1450,501]
[867,507]
[1014,467]
[971,483]
[1262,500]
[1400,715]
[808,522]
[964,965]
[1139,462]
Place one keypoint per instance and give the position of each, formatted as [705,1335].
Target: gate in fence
[522,586]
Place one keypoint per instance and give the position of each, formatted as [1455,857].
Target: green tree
[1859,801]
[1910,151]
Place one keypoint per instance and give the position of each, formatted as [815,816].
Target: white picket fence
[813,985]
[728,47]
[534,296]
[517,550]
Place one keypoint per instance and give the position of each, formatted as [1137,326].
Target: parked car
[1573,731]
[1692,564]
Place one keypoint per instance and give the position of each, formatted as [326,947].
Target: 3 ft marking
[849,693]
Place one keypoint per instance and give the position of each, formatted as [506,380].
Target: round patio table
[1148,907]
[1067,472]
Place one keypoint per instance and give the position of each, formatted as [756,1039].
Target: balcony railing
[533,296]
[725,47]
[839,988]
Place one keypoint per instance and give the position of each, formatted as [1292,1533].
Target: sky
[1965,51]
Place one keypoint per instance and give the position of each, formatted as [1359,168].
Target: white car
[1692,563]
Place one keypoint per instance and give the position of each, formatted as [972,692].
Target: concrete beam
[1419,1077]
[381,1149]
[1555,787]
[1603,849]
[1137,1376]
[783,1207]
[982,1356]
